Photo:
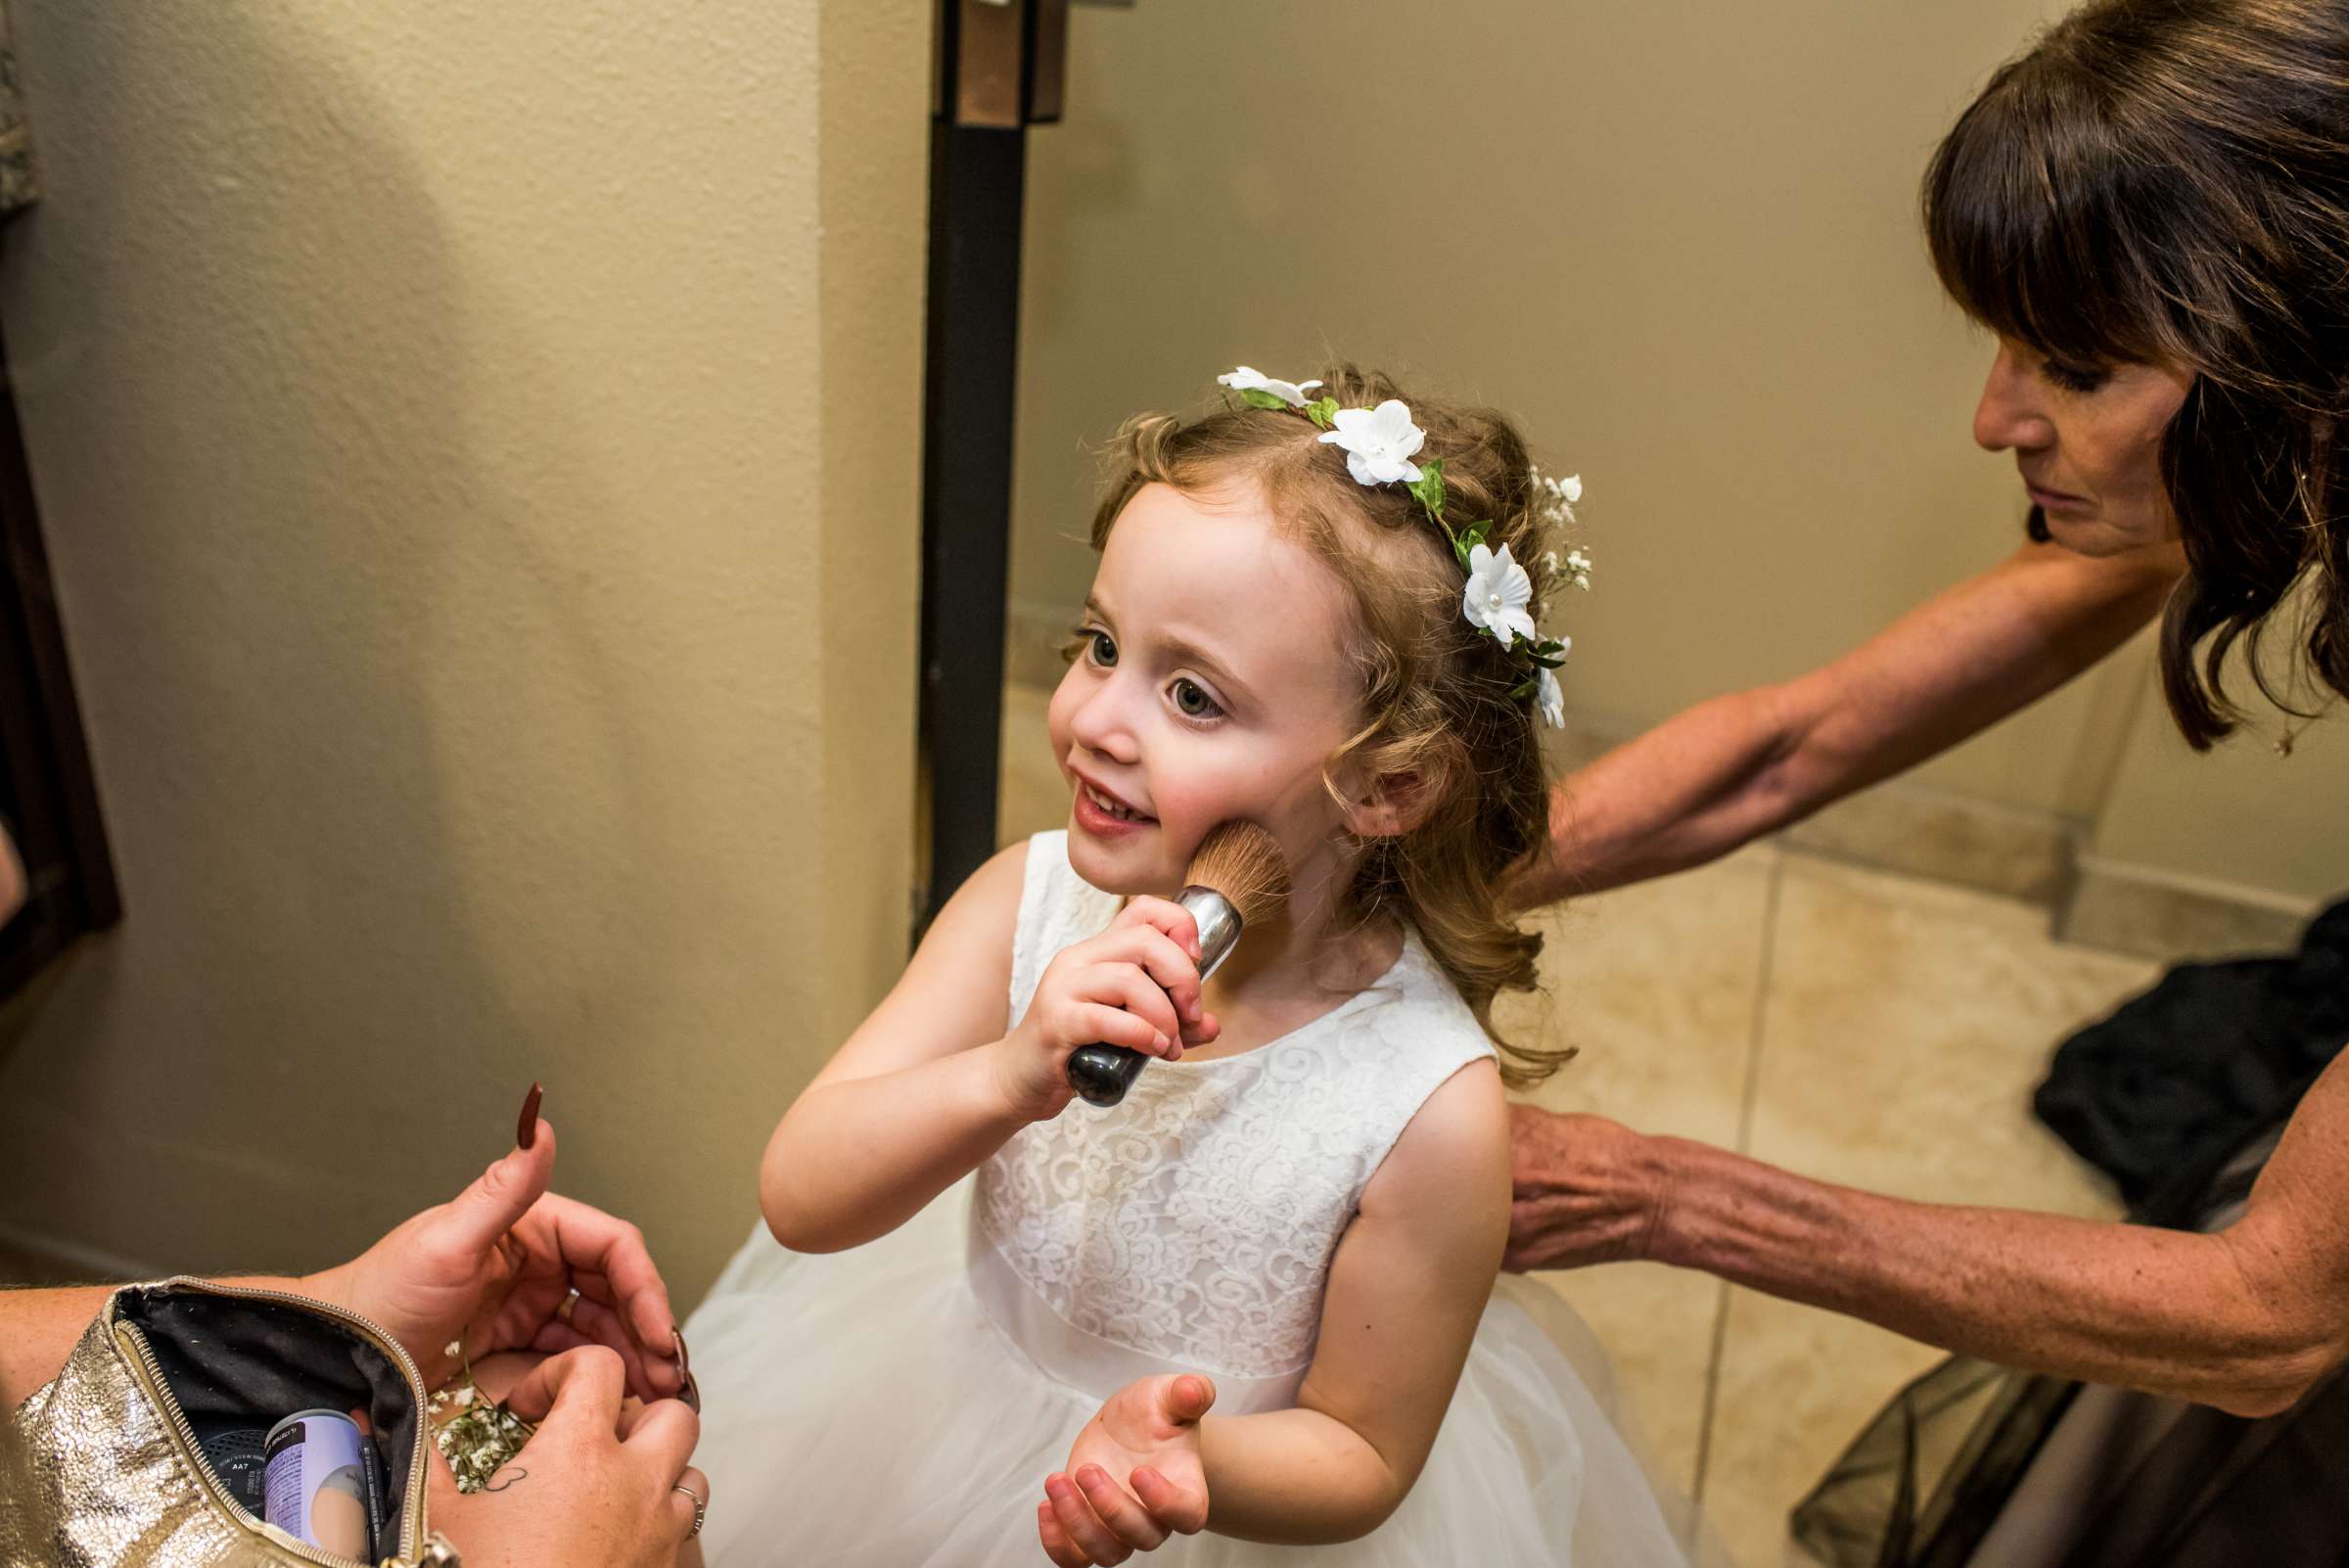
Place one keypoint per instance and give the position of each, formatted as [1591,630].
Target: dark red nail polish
[526,1128]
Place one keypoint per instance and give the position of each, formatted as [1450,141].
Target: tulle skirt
[863,1408]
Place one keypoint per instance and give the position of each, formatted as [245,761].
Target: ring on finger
[571,1302]
[700,1508]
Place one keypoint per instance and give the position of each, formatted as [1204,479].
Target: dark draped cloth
[2181,1097]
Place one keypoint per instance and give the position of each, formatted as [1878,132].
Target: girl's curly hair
[1435,704]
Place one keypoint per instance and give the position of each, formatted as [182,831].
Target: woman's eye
[2072,378]
[1192,701]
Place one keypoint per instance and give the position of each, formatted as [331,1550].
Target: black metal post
[977,180]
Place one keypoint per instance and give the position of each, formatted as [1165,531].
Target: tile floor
[1865,1028]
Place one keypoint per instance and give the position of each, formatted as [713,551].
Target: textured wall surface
[2240,816]
[476,450]
[1681,242]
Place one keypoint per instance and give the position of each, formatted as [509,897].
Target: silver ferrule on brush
[1219,925]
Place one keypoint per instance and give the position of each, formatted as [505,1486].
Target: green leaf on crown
[1322,411]
[1467,539]
[1428,487]
[1257,398]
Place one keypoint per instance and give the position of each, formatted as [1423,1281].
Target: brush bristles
[1240,861]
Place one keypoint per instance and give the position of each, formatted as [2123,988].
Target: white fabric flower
[1291,392]
[1498,590]
[1379,443]
[1548,694]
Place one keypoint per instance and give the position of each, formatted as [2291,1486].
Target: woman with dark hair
[2151,210]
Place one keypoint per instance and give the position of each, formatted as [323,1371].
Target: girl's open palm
[1135,1476]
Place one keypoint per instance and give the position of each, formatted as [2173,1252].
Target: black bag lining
[259,1360]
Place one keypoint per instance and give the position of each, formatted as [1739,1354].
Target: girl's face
[1211,682]
[2088,442]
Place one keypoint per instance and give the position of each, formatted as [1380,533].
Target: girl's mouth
[1103,813]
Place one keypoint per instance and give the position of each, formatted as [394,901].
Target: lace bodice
[1194,1224]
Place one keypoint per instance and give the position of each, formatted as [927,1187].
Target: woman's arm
[1727,771]
[2244,1319]
[1407,1288]
[906,1107]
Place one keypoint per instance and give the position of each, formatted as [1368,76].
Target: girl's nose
[1102,726]
[2007,415]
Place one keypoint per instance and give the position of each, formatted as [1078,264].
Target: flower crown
[1379,445]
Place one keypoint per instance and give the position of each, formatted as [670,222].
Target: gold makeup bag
[114,1473]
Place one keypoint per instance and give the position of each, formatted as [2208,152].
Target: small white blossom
[1548,693]
[1379,443]
[1557,496]
[1578,570]
[1291,392]
[1498,590]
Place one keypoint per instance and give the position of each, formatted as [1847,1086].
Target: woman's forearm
[1692,789]
[855,1159]
[2191,1315]
[1297,1477]
[39,1327]
[1727,771]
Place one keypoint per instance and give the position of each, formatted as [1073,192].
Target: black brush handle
[1102,1073]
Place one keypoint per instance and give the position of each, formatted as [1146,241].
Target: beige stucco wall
[476,454]
[2260,816]
[1681,242]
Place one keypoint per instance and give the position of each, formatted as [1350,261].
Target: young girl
[1256,1298]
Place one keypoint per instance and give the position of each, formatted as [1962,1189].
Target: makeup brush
[1237,878]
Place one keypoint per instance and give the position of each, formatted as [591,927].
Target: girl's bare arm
[1407,1289]
[906,1107]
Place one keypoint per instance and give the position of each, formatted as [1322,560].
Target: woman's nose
[2007,415]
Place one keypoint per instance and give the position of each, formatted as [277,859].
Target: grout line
[1747,1095]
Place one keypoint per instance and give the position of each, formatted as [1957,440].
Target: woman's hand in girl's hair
[1135,985]
[1148,1433]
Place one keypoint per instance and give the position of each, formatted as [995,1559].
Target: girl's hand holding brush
[1135,985]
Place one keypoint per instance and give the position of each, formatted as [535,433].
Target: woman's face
[2088,442]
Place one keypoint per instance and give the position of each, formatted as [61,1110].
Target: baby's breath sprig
[476,1435]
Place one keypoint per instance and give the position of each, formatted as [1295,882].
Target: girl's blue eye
[1192,701]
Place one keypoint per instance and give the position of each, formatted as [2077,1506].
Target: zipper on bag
[416,1550]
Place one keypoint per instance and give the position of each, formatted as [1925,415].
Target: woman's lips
[2040,496]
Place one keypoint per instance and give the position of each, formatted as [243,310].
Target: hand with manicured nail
[492,1266]
[1135,985]
[1135,1476]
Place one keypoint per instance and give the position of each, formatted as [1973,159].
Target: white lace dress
[899,1405]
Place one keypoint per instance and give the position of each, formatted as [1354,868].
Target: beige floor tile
[1904,1025]
[1656,984]
[1796,1386]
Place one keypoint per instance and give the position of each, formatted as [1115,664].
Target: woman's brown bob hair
[1437,708]
[2168,181]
